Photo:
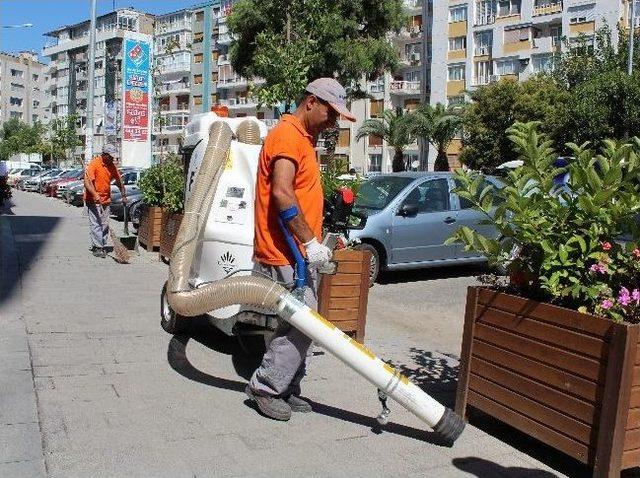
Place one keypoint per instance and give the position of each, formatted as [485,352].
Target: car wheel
[135,210]
[170,321]
[375,261]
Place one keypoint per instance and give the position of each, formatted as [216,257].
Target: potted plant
[343,296]
[553,349]
[173,206]
[157,185]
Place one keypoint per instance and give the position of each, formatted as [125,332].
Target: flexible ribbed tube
[248,132]
[184,300]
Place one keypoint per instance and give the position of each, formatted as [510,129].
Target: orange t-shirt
[288,139]
[100,174]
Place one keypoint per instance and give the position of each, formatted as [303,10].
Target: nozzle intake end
[450,426]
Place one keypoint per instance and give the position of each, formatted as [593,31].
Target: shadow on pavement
[487,469]
[177,358]
[21,238]
[432,273]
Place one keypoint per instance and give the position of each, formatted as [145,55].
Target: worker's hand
[317,254]
[124,199]
[96,199]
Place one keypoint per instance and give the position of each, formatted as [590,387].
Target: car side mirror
[408,210]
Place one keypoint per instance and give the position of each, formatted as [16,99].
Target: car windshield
[376,193]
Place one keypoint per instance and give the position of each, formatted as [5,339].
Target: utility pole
[88,149]
[423,144]
[632,4]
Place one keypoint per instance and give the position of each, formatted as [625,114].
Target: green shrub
[162,185]
[565,244]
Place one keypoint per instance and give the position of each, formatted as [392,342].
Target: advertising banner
[136,76]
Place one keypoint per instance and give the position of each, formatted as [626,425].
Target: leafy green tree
[63,138]
[438,126]
[288,42]
[394,128]
[18,137]
[495,107]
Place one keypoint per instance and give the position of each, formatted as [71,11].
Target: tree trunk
[398,162]
[442,163]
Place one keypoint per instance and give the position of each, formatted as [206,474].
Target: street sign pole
[88,149]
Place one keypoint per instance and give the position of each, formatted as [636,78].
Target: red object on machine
[221,111]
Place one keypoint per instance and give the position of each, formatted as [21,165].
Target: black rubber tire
[374,271]
[171,322]
[134,214]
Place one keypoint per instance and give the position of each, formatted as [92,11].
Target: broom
[120,253]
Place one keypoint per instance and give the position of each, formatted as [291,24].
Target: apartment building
[172,79]
[214,83]
[67,47]
[22,88]
[476,42]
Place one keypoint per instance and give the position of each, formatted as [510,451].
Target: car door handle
[449,220]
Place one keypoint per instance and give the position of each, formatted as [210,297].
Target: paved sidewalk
[115,396]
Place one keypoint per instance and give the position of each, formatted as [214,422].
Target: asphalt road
[91,386]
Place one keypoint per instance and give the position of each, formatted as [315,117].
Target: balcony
[408,33]
[487,19]
[178,87]
[547,8]
[547,44]
[376,88]
[482,51]
[239,102]
[175,67]
[482,80]
[233,82]
[404,87]
[224,39]
[413,59]
[180,108]
[223,60]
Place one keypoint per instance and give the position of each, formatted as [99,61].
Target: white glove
[317,254]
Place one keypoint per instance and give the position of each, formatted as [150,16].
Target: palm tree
[439,126]
[394,128]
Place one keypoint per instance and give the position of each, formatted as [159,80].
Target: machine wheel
[135,210]
[169,320]
[375,261]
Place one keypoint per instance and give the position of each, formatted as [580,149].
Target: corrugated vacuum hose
[263,293]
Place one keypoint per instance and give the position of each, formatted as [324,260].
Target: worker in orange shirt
[289,189]
[97,196]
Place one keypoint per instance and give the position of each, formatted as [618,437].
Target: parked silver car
[407,217]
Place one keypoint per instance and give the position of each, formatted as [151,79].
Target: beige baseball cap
[332,92]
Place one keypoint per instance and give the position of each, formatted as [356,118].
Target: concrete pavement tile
[23,469]
[20,442]
[14,361]
[17,408]
[18,381]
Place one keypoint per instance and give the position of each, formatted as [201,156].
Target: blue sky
[46,15]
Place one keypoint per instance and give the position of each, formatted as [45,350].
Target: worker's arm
[91,190]
[283,196]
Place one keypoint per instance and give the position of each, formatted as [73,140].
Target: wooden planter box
[568,379]
[150,227]
[342,297]
[170,225]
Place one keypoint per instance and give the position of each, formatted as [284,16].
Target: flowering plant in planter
[572,242]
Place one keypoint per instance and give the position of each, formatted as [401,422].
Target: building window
[127,23]
[485,12]
[456,72]
[507,67]
[34,77]
[197,58]
[197,79]
[458,14]
[36,103]
[542,63]
[508,7]
[15,114]
[375,108]
[375,140]
[214,76]
[34,118]
[516,35]
[375,162]
[13,101]
[483,71]
[197,37]
[214,55]
[199,16]
[484,41]
[457,43]
[17,73]
[17,87]
[197,100]
[555,33]
[581,13]
[344,139]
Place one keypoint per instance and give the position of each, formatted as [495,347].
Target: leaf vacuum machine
[210,272]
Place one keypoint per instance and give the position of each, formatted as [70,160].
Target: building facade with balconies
[476,42]
[173,39]
[23,82]
[67,47]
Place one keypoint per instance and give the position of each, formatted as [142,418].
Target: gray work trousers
[285,362]
[98,224]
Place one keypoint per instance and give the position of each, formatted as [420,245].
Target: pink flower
[636,253]
[635,295]
[606,246]
[623,297]
[606,304]
[599,267]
